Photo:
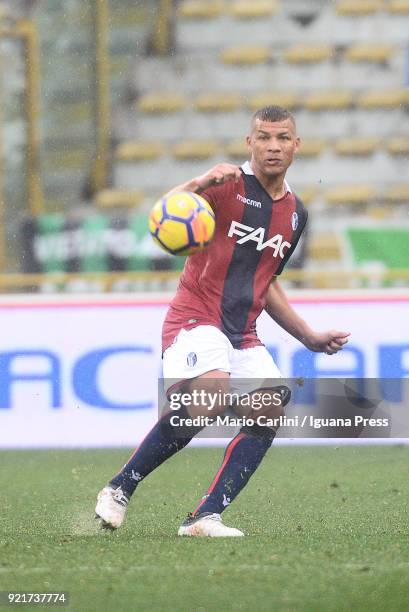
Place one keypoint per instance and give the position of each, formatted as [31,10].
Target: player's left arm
[279,309]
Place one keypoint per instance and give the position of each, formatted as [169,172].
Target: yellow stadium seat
[161,103]
[388,98]
[246,54]
[397,194]
[357,8]
[200,9]
[351,194]
[139,150]
[311,147]
[195,149]
[308,53]
[285,99]
[369,52]
[379,212]
[398,145]
[108,198]
[256,9]
[323,247]
[356,146]
[237,149]
[218,102]
[329,100]
[307,194]
[398,7]
[75,159]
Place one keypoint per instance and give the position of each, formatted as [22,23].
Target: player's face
[272,146]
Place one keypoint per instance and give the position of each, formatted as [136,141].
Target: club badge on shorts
[191,360]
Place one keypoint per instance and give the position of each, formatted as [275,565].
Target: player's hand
[219,175]
[329,342]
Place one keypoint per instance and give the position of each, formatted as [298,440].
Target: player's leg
[164,440]
[245,452]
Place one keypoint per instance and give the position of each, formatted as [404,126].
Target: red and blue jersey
[226,284]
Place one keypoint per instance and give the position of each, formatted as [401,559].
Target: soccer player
[209,334]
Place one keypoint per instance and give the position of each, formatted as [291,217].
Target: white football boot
[207,524]
[111,507]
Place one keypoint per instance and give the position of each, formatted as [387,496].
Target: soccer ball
[182,223]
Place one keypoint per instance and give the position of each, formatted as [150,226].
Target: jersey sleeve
[210,195]
[302,220]
[218,194]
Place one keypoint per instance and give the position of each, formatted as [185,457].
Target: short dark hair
[273,114]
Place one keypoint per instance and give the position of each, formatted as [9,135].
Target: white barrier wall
[83,372]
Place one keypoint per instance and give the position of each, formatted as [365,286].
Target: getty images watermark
[295,408]
[242,403]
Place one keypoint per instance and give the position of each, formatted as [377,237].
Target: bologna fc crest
[191,360]
[294,221]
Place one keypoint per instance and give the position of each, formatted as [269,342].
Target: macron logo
[249,202]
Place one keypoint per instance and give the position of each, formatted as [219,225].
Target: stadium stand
[340,66]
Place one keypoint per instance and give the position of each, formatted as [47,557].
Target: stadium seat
[256,9]
[200,9]
[323,247]
[379,212]
[237,149]
[398,146]
[195,149]
[111,198]
[285,99]
[328,100]
[308,53]
[398,7]
[388,98]
[307,194]
[311,147]
[351,194]
[369,52]
[358,8]
[161,103]
[246,54]
[69,160]
[356,146]
[219,102]
[139,150]
[397,194]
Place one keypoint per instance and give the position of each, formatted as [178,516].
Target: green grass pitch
[327,530]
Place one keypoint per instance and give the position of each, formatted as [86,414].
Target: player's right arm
[218,175]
